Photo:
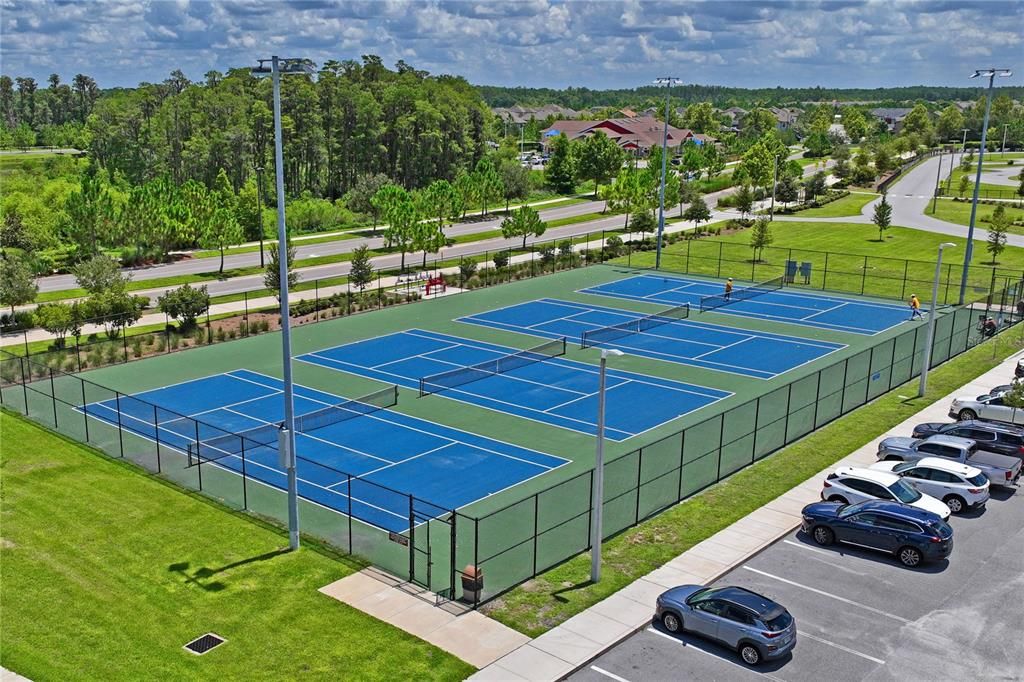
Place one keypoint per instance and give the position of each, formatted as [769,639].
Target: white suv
[960,486]
[850,485]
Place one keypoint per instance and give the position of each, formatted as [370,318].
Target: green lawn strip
[850,205]
[576,219]
[959,212]
[130,568]
[557,594]
[954,183]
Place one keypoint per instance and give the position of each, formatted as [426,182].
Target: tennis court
[665,336]
[534,384]
[389,451]
[770,302]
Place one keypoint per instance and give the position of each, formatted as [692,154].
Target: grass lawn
[849,205]
[959,212]
[558,594]
[107,573]
[954,184]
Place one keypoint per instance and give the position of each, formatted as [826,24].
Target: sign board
[399,538]
[876,376]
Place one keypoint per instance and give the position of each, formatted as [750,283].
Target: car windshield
[698,595]
[903,466]
[904,492]
[779,622]
[980,479]
[940,528]
[849,509]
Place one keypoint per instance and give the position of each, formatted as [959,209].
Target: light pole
[286,440]
[259,208]
[1003,147]
[963,145]
[938,176]
[668,82]
[931,321]
[597,495]
[775,182]
[991,73]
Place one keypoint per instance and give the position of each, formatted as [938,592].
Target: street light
[259,207]
[597,496]
[1003,147]
[963,145]
[938,180]
[668,82]
[775,182]
[286,440]
[932,314]
[991,73]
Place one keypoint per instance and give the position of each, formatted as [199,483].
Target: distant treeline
[721,96]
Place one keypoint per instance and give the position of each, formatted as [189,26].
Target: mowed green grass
[954,185]
[959,212]
[850,205]
[107,573]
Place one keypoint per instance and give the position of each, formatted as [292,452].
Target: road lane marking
[608,674]
[713,655]
[833,596]
[879,661]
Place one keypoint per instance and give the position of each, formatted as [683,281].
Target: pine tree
[272,276]
[882,217]
[361,272]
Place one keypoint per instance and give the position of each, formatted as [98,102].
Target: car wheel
[838,498]
[955,503]
[965,415]
[910,556]
[750,654]
[823,535]
[672,622]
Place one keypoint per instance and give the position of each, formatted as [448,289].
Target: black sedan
[1004,439]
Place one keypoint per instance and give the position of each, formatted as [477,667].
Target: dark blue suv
[912,535]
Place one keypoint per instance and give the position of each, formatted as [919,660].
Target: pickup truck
[1000,469]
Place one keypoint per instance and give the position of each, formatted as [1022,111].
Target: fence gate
[431,555]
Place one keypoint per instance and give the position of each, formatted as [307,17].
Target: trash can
[472,584]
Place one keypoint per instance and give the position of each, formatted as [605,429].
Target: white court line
[691,647]
[848,650]
[604,672]
[823,593]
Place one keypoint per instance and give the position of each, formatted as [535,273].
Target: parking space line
[829,594]
[608,674]
[841,647]
[809,549]
[684,645]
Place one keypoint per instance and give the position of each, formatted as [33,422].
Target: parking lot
[862,616]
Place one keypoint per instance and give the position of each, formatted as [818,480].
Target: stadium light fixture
[275,66]
[991,74]
[668,82]
[932,314]
[597,492]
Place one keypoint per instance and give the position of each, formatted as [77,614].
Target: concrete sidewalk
[569,646]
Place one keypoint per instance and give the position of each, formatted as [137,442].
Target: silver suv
[751,624]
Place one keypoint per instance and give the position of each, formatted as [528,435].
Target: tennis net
[464,375]
[211,449]
[595,337]
[742,294]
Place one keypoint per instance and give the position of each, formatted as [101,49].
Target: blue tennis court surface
[448,467]
[556,391]
[687,342]
[803,308]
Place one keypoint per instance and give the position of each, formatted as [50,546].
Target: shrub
[467,268]
[613,246]
[500,259]
[547,255]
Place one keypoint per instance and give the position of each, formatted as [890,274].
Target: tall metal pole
[597,494]
[963,145]
[286,337]
[1003,147]
[259,208]
[668,81]
[932,314]
[775,182]
[938,176]
[991,73]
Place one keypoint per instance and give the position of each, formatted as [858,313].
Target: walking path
[582,638]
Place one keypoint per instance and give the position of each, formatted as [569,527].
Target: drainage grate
[201,645]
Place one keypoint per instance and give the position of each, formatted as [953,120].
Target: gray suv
[751,624]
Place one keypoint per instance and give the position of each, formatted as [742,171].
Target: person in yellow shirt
[915,308]
[728,289]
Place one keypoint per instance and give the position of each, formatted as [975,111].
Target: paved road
[861,616]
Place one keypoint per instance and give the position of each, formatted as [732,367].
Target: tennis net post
[743,294]
[463,375]
[595,337]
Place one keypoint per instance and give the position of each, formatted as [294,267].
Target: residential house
[785,116]
[520,115]
[636,134]
[891,117]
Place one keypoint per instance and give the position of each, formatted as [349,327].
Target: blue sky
[554,43]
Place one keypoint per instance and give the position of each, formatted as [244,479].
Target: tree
[1020,187]
[883,159]
[787,190]
[12,232]
[23,136]
[523,222]
[1000,223]
[100,273]
[488,182]
[272,275]
[248,211]
[441,202]
[918,121]
[757,123]
[17,285]
[964,186]
[400,211]
[744,200]
[56,318]
[468,191]
[117,308]
[220,231]
[359,198]
[760,237]
[515,179]
[854,123]
[361,270]
[815,185]
[882,217]
[561,171]
[701,118]
[599,158]
[697,211]
[644,222]
[185,304]
[951,122]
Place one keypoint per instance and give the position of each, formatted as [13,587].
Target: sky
[537,43]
